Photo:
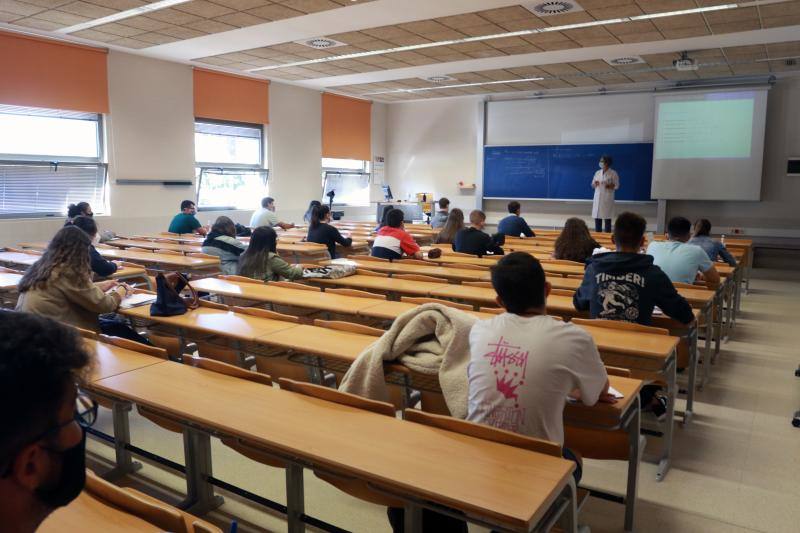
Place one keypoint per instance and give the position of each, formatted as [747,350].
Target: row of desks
[421,465]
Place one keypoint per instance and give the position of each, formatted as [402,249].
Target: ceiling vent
[439,79]
[627,60]
[548,9]
[321,43]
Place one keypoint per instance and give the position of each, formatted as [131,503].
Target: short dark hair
[702,227]
[444,203]
[513,206]
[629,229]
[39,359]
[476,216]
[186,204]
[266,201]
[395,218]
[607,158]
[518,279]
[679,227]
[87,224]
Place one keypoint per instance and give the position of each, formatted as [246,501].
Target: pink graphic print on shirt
[509,363]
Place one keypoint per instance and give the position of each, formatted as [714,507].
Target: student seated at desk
[221,242]
[439,219]
[715,249]
[393,241]
[474,241]
[682,261]
[524,364]
[320,231]
[575,243]
[514,225]
[310,210]
[59,285]
[383,221]
[100,266]
[43,442]
[454,224]
[79,209]
[185,221]
[261,261]
[266,216]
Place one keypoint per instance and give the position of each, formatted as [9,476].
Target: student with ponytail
[320,231]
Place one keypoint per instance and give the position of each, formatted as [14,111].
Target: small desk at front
[535,494]
[344,347]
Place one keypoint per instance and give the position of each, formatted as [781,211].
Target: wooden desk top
[110,360]
[486,261]
[152,245]
[450,273]
[9,281]
[605,414]
[333,343]
[391,310]
[89,514]
[484,296]
[264,292]
[698,297]
[375,283]
[635,343]
[215,321]
[447,468]
[18,258]
[149,258]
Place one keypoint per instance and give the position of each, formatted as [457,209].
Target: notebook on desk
[136,300]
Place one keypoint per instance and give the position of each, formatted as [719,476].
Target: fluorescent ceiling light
[548,29]
[136,11]
[454,86]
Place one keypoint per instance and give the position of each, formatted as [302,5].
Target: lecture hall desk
[124,272]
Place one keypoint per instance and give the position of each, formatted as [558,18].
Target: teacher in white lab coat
[604,182]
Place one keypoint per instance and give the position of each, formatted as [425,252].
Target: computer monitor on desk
[387,193]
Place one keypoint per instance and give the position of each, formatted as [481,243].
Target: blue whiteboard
[564,172]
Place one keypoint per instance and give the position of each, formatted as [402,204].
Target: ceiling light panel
[136,11]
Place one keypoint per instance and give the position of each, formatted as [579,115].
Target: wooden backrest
[29,251]
[679,285]
[162,516]
[293,285]
[357,293]
[364,272]
[86,333]
[484,284]
[170,234]
[468,267]
[492,310]
[349,326]
[213,305]
[133,346]
[617,371]
[413,262]
[168,252]
[239,279]
[482,432]
[263,313]
[562,292]
[448,303]
[562,262]
[128,265]
[10,270]
[618,324]
[461,254]
[228,370]
[418,277]
[574,276]
[368,258]
[333,395]
[202,256]
[193,523]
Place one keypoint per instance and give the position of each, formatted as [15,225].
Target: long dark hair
[702,228]
[453,224]
[318,215]
[74,210]
[575,243]
[310,210]
[67,254]
[383,222]
[263,241]
[224,226]
[85,223]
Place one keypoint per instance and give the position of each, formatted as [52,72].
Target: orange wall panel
[227,97]
[346,127]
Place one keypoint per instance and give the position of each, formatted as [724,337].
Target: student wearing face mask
[43,442]
[604,183]
[100,266]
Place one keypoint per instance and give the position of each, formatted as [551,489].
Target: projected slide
[709,145]
[705,129]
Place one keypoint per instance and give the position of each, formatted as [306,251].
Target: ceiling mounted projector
[685,63]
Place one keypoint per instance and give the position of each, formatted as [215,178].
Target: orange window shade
[346,127]
[227,97]
[36,72]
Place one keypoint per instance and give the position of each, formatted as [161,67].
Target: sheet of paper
[135,300]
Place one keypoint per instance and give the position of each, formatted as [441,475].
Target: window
[348,178]
[231,173]
[49,159]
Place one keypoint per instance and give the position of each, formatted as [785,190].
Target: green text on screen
[706,129]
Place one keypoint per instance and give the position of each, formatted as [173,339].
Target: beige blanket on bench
[430,339]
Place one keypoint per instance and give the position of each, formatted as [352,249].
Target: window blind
[41,188]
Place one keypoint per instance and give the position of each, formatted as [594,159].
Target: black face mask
[72,479]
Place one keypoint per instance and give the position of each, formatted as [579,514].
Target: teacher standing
[604,182]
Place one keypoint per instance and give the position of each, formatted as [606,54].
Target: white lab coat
[603,204]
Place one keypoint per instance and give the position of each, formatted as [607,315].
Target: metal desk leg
[636,444]
[727,304]
[200,497]
[707,350]
[689,413]
[569,519]
[295,499]
[739,286]
[122,438]
[717,315]
[672,389]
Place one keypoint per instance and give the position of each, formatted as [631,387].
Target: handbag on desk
[169,301]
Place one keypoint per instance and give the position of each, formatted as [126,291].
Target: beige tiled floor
[735,469]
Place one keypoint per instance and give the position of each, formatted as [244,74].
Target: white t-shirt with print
[263,217]
[522,369]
